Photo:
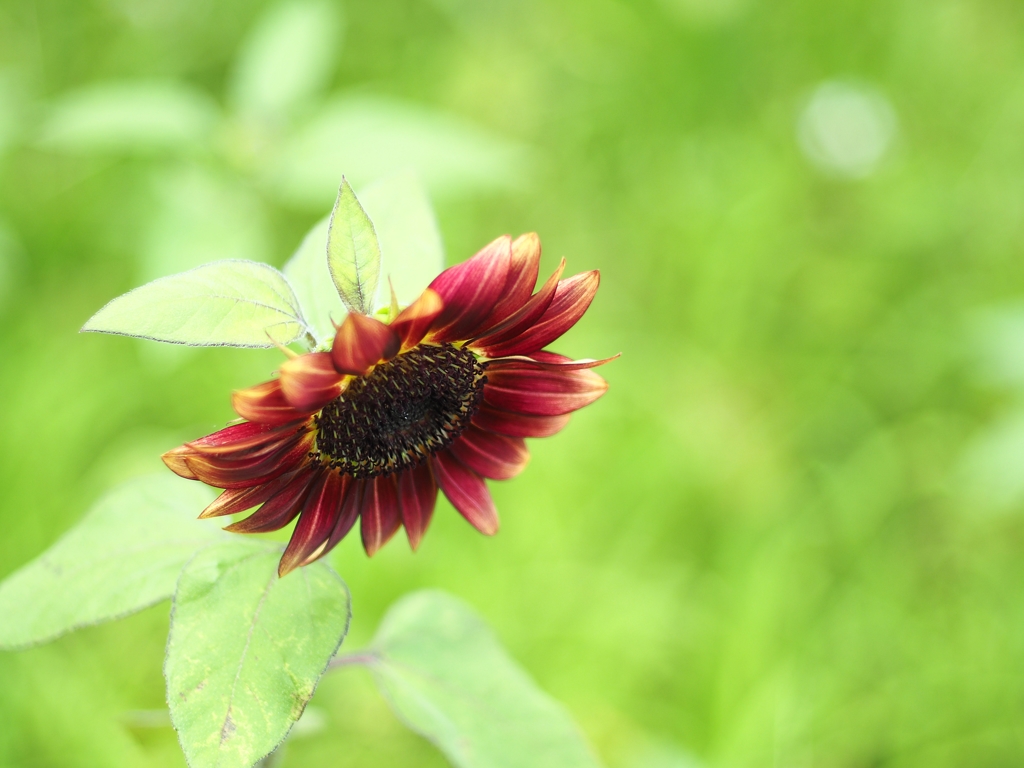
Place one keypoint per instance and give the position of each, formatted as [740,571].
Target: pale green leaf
[410,243]
[231,303]
[246,650]
[307,271]
[445,674]
[130,116]
[288,58]
[367,138]
[123,556]
[353,253]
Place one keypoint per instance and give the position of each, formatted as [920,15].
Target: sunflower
[441,397]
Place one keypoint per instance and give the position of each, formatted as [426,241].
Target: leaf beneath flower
[231,303]
[445,674]
[246,650]
[125,555]
[353,253]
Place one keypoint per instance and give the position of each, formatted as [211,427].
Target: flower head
[441,397]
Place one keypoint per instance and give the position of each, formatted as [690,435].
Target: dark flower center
[405,410]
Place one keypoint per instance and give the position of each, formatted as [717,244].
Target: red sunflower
[441,397]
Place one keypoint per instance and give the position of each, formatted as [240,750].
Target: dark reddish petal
[518,424]
[236,500]
[470,291]
[309,382]
[466,491]
[417,494]
[351,504]
[380,517]
[524,266]
[238,436]
[281,508]
[522,320]
[265,403]
[245,474]
[572,297]
[491,455]
[519,388]
[549,361]
[361,342]
[320,512]
[414,321]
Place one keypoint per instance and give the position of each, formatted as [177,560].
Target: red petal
[238,436]
[281,508]
[240,499]
[524,266]
[549,361]
[518,424]
[415,320]
[380,517]
[351,505]
[491,455]
[470,291]
[265,403]
[519,388]
[175,461]
[309,382]
[245,474]
[571,300]
[522,320]
[320,512]
[361,342]
[466,491]
[417,494]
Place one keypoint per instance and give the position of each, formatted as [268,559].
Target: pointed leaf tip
[353,253]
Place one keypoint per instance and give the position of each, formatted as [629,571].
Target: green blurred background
[790,535]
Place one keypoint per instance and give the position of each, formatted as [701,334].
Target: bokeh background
[791,533]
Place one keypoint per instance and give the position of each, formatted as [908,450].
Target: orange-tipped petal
[320,512]
[175,461]
[414,321]
[281,508]
[571,300]
[466,491]
[309,382]
[247,473]
[490,455]
[524,266]
[265,403]
[379,519]
[470,291]
[360,343]
[417,495]
[520,388]
[518,424]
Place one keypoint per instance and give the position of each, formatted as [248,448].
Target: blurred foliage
[790,533]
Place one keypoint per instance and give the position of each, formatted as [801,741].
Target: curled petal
[266,404]
[351,504]
[521,388]
[414,321]
[281,508]
[571,300]
[518,424]
[320,511]
[245,474]
[235,500]
[309,382]
[466,491]
[175,461]
[470,291]
[360,343]
[522,320]
[491,455]
[380,518]
[549,361]
[524,266]
[417,494]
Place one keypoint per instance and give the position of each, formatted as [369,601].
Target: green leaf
[287,59]
[246,650]
[130,117]
[231,303]
[307,271]
[410,243]
[445,674]
[125,555]
[353,253]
